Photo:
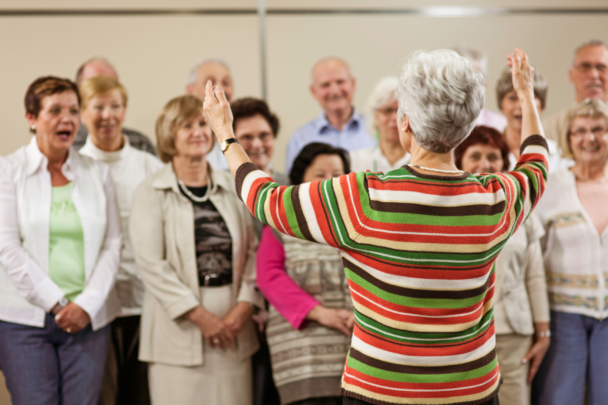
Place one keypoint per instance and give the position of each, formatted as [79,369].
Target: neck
[338,118]
[109,145]
[393,151]
[513,139]
[56,158]
[594,171]
[425,158]
[192,171]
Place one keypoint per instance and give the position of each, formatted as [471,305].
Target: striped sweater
[418,251]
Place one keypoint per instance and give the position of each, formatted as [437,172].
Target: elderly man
[340,124]
[480,62]
[589,74]
[96,67]
[218,72]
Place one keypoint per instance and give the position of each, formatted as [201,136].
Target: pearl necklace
[190,195]
[436,170]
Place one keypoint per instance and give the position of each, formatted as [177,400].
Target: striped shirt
[418,251]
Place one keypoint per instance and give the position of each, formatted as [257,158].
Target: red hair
[484,136]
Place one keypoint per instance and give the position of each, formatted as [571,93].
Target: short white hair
[478,59]
[442,94]
[383,93]
[192,75]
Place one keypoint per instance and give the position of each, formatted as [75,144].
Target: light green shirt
[66,243]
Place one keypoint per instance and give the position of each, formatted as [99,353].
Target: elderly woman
[194,246]
[521,307]
[389,154]
[418,245]
[510,106]
[59,251]
[575,252]
[103,106]
[303,282]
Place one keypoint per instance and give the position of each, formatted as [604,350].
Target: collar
[322,124]
[93,151]
[166,179]
[37,161]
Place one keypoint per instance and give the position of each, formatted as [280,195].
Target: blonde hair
[591,107]
[173,114]
[99,86]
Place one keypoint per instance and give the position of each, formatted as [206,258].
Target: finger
[342,328]
[210,341]
[209,97]
[530,355]
[533,369]
[221,96]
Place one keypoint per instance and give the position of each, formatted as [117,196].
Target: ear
[403,124]
[189,88]
[312,91]
[571,75]
[31,120]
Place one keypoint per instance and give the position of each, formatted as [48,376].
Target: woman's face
[324,167]
[193,138]
[589,139]
[479,158]
[103,117]
[257,139]
[511,109]
[385,119]
[57,123]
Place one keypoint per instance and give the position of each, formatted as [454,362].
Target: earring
[33,127]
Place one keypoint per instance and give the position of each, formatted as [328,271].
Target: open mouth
[64,135]
[591,149]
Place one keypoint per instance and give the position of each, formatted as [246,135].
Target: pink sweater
[279,289]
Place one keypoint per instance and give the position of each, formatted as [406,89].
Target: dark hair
[43,87]
[309,153]
[249,107]
[485,136]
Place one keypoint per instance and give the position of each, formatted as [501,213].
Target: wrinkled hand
[350,324]
[536,355]
[72,318]
[236,318]
[212,327]
[217,112]
[332,318]
[522,73]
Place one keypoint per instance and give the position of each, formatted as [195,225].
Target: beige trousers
[510,349]
[223,379]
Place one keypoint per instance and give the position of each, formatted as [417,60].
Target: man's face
[219,76]
[589,73]
[332,86]
[97,68]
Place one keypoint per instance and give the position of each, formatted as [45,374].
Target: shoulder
[131,133]
[559,184]
[534,228]
[308,129]
[151,163]
[87,164]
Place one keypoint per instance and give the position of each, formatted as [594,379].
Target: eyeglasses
[387,111]
[587,67]
[581,132]
[246,140]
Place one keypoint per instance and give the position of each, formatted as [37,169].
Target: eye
[202,123]
[55,110]
[475,156]
[74,111]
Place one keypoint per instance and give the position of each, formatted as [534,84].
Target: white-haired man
[589,75]
[218,72]
[340,124]
[479,60]
[96,67]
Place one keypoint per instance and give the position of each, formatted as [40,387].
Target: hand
[217,112]
[536,355]
[212,327]
[236,318]
[72,318]
[350,324]
[332,318]
[522,73]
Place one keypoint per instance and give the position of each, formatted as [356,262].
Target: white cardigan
[26,290]
[575,254]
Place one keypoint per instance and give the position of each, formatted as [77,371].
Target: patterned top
[418,252]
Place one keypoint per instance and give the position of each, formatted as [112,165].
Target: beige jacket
[162,236]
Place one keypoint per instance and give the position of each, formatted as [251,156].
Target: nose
[257,142]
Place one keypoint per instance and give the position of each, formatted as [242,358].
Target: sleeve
[28,278]
[279,289]
[248,288]
[536,283]
[330,212]
[146,230]
[102,280]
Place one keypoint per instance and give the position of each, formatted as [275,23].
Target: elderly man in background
[218,72]
[479,60]
[340,124]
[96,67]
[589,75]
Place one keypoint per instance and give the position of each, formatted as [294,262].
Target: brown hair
[249,107]
[44,87]
[505,85]
[590,107]
[485,136]
[99,86]
[173,114]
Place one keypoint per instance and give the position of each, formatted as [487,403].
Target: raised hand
[217,112]
[522,73]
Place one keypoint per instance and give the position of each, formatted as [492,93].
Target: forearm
[235,155]
[531,124]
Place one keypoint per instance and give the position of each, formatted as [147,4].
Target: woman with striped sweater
[418,243]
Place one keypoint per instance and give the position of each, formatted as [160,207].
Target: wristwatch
[226,143]
[62,303]
[544,333]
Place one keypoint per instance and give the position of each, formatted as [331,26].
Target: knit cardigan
[418,251]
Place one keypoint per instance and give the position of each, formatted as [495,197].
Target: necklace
[436,170]
[191,196]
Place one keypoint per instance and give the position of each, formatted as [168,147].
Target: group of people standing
[134,274]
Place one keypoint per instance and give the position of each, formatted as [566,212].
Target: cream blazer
[162,237]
